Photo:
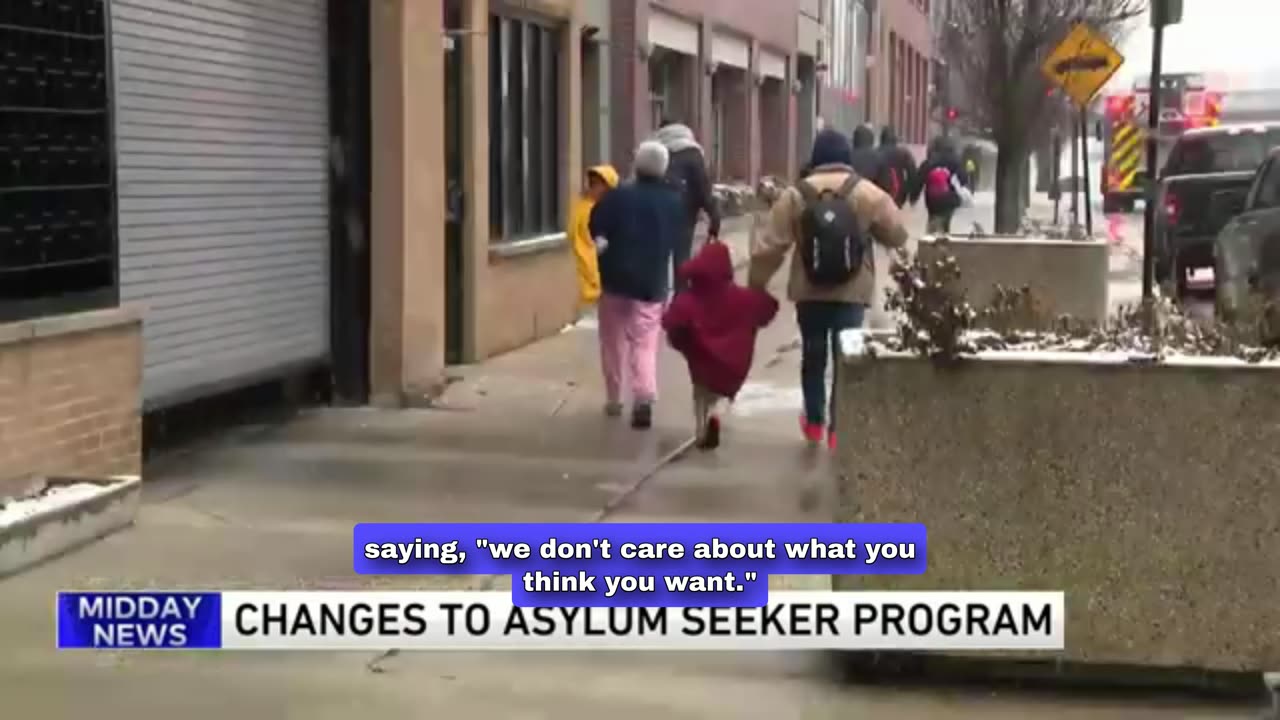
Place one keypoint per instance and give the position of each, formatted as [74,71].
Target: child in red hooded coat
[714,324]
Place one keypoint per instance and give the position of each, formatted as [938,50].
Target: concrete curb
[60,529]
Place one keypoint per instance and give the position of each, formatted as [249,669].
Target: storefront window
[524,117]
[57,185]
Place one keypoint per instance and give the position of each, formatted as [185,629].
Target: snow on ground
[53,498]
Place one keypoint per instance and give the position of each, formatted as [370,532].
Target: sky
[1234,37]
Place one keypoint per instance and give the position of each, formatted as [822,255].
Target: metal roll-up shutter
[730,50]
[675,33]
[773,65]
[223,155]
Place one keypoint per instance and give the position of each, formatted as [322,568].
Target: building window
[524,129]
[57,179]
[847,62]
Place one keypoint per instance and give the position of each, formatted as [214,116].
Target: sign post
[1163,12]
[1084,152]
[1081,65]
[1055,190]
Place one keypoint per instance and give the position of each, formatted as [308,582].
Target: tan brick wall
[520,298]
[69,398]
[526,298]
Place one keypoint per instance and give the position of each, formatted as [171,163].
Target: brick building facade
[900,76]
[726,68]
[477,155]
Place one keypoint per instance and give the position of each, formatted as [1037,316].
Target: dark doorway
[455,198]
[349,265]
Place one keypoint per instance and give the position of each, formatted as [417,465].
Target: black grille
[57,183]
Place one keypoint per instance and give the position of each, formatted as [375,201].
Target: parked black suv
[1202,162]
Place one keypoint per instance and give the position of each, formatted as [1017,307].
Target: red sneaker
[710,434]
[831,440]
[812,431]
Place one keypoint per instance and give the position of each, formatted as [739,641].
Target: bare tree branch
[995,49]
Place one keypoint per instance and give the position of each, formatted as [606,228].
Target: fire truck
[1187,101]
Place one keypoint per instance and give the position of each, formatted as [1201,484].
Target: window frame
[525,117]
[100,296]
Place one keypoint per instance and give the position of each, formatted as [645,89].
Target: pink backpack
[937,184]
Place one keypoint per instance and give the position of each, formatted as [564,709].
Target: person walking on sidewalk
[830,217]
[636,228]
[900,166]
[714,324]
[941,180]
[868,161]
[687,173]
[599,180]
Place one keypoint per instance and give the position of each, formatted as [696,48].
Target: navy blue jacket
[641,220]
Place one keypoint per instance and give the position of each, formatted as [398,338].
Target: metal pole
[1075,180]
[1153,128]
[1084,151]
[1056,175]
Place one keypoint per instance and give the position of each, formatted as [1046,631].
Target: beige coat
[876,211]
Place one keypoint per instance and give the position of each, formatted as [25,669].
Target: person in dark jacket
[636,227]
[937,181]
[900,166]
[687,171]
[714,324]
[867,160]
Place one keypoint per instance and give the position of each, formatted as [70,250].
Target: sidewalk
[520,438]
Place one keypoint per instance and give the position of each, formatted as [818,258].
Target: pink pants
[630,333]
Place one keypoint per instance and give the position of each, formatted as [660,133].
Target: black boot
[642,416]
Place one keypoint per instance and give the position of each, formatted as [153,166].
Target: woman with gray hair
[636,228]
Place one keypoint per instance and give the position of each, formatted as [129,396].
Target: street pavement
[519,438]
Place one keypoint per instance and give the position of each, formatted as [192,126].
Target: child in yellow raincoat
[600,180]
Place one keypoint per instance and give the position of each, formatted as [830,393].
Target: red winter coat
[714,323]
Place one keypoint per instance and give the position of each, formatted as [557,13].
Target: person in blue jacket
[637,227]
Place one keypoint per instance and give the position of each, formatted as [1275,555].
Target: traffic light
[952,114]
[1165,12]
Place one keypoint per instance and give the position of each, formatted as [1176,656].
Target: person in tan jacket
[823,310]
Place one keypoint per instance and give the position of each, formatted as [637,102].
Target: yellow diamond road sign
[1082,63]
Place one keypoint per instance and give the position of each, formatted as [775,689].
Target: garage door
[222,137]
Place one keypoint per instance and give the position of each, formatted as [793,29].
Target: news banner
[597,586]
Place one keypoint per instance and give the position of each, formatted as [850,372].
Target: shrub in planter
[1030,279]
[1132,466]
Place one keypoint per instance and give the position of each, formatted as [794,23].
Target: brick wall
[628,80]
[526,298]
[772,22]
[904,48]
[69,397]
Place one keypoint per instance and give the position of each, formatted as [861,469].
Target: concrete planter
[69,513]
[1068,276]
[1147,492]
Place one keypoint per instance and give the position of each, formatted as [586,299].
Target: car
[1204,163]
[1247,251]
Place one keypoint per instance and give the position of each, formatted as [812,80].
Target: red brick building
[900,73]
[727,68]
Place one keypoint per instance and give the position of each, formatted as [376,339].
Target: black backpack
[832,246]
[678,178]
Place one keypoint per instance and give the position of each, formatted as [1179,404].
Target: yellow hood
[606,173]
